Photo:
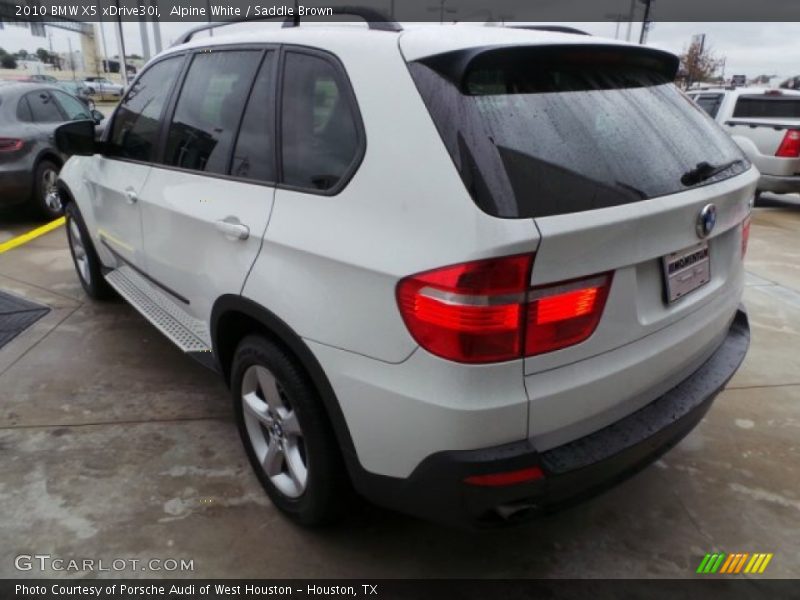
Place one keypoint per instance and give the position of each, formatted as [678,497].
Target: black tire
[44,179]
[327,489]
[91,278]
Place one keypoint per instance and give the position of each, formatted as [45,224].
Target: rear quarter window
[709,103]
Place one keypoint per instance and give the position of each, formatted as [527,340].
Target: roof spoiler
[454,65]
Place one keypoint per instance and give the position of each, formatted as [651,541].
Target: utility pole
[121,45]
[105,48]
[442,10]
[156,30]
[53,54]
[145,38]
[618,18]
[645,21]
[631,17]
[71,57]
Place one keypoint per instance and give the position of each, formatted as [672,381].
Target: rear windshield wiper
[705,170]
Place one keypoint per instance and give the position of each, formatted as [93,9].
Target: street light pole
[121,45]
[645,21]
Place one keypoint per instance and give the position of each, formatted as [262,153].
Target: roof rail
[374,19]
[186,37]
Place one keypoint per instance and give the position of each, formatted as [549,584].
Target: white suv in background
[468,272]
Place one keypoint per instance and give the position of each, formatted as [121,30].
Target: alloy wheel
[274,431]
[49,178]
[79,251]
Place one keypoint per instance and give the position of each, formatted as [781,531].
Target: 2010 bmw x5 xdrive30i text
[470,273]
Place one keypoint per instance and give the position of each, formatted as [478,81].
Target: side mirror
[97,116]
[76,137]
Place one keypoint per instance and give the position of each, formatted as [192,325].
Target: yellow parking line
[31,235]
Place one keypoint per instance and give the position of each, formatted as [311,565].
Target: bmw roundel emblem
[706,220]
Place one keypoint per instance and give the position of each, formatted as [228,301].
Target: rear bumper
[577,469]
[779,185]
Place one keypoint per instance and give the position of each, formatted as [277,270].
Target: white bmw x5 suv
[470,273]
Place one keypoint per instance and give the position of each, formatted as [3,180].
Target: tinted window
[43,108]
[24,110]
[134,132]
[207,115]
[320,136]
[544,134]
[709,103]
[254,156]
[74,108]
[768,107]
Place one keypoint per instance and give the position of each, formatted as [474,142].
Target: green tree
[23,54]
[3,52]
[8,62]
[43,55]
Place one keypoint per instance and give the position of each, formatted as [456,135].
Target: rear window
[767,107]
[537,132]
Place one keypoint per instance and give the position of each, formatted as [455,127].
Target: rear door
[117,177]
[207,204]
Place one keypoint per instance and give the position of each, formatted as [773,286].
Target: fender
[275,326]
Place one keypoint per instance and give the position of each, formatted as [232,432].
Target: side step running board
[189,334]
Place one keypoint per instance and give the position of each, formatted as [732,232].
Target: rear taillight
[745,235]
[11,144]
[564,314]
[790,146]
[484,311]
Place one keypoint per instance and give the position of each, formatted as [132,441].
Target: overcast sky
[749,48]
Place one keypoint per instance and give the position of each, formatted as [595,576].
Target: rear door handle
[233,229]
[130,196]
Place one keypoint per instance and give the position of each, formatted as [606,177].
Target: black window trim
[349,93]
[268,57]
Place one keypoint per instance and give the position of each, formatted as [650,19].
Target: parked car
[766,125]
[80,91]
[39,78]
[29,159]
[102,86]
[461,294]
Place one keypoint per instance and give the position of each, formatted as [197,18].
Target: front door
[116,178]
[206,209]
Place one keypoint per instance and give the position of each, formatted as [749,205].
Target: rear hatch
[616,168]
